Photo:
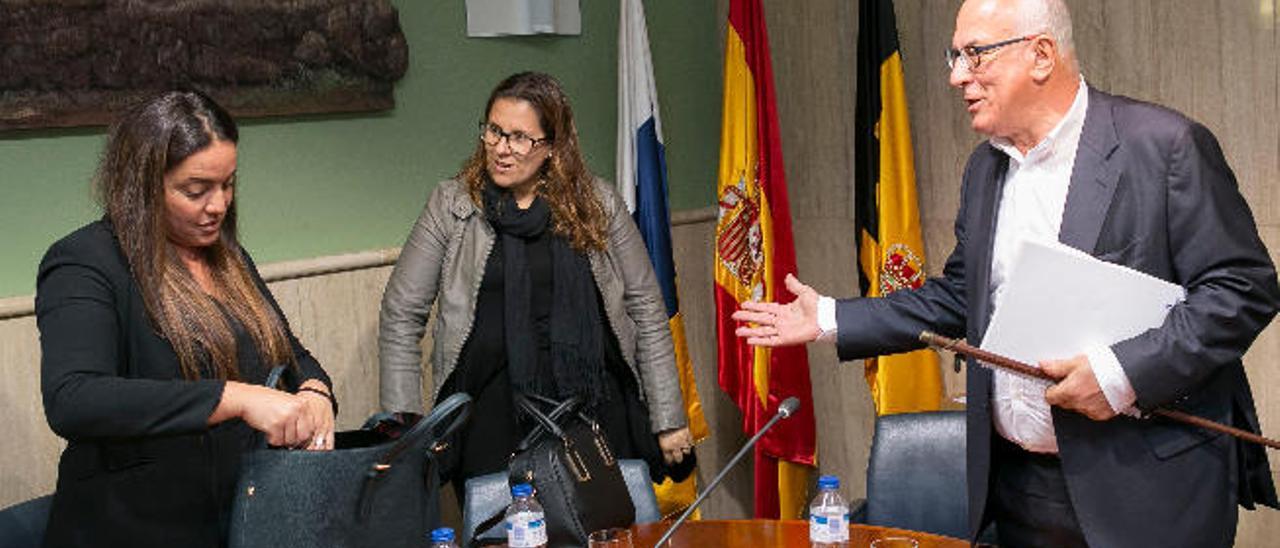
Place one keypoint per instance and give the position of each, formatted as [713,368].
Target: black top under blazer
[1150,190]
[141,467]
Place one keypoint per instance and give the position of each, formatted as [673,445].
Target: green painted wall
[322,185]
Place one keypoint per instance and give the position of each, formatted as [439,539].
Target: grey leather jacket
[442,264]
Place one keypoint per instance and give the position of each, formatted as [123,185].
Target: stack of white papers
[1059,302]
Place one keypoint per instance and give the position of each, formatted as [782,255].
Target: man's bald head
[1025,17]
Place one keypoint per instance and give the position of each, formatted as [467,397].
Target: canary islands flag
[642,181]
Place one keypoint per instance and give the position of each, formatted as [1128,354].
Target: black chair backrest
[916,474]
[22,525]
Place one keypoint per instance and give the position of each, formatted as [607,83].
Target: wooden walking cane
[960,347]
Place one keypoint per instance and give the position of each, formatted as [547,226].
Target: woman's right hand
[284,418]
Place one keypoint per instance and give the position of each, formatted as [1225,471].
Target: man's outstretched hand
[781,324]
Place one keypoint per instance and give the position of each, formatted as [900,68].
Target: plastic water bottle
[443,538]
[828,515]
[526,522]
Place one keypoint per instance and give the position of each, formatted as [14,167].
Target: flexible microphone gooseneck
[785,409]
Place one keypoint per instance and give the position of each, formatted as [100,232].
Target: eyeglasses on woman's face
[518,141]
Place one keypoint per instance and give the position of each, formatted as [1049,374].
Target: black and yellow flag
[890,249]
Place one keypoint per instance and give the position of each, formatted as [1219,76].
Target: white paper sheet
[1060,301]
[486,18]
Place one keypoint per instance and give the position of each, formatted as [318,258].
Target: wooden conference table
[763,533]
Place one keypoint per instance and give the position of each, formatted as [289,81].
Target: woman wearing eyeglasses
[542,286]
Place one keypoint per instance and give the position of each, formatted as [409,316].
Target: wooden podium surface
[763,533]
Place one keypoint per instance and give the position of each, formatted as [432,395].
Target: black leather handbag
[371,490]
[573,471]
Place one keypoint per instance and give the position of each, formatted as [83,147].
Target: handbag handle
[273,377]
[561,408]
[273,380]
[545,423]
[458,405]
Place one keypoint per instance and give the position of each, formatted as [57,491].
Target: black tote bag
[575,476]
[368,491]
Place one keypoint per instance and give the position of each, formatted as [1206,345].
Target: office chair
[22,525]
[916,474]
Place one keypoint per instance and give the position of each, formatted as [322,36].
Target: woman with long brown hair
[542,286]
[157,335]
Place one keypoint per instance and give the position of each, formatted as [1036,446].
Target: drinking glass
[616,537]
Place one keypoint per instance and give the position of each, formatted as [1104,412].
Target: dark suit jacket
[1150,190]
[141,467]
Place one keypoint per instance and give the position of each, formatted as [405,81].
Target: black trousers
[1029,500]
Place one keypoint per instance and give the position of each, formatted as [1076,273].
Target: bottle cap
[828,482]
[443,534]
[521,490]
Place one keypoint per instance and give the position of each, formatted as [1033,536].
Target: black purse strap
[273,377]
[551,421]
[486,525]
[272,382]
[545,422]
[457,406]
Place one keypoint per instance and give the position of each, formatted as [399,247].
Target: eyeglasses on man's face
[971,57]
[519,143]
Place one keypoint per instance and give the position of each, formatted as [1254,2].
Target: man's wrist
[828,328]
[1111,379]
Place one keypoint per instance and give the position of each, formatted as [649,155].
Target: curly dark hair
[567,185]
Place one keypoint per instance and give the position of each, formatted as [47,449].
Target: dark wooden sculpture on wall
[76,62]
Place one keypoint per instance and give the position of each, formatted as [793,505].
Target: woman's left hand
[675,444]
[320,409]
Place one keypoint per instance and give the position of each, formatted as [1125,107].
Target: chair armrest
[858,511]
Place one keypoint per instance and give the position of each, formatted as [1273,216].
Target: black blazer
[141,467]
[1150,190]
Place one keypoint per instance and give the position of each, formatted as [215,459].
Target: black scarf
[577,349]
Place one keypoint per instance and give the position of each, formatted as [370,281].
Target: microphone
[785,410]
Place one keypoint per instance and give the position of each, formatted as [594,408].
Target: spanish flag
[642,181]
[890,249]
[754,253]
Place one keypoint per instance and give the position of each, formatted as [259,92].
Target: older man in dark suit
[1073,463]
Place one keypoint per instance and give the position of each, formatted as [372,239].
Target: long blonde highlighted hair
[148,141]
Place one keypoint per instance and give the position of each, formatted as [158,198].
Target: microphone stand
[784,411]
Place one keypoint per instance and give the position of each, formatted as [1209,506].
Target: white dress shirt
[1031,206]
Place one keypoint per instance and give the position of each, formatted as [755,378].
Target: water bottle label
[526,533]
[828,528]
